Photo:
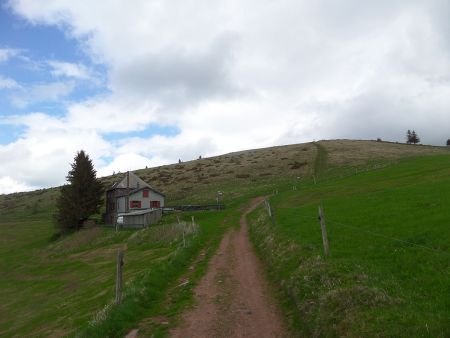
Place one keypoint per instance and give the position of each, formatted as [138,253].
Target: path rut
[233,298]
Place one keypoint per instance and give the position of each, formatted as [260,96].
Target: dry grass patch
[346,152]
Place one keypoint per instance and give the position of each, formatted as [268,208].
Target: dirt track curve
[233,298]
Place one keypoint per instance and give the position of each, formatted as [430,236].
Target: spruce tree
[408,136]
[81,197]
[448,142]
[414,137]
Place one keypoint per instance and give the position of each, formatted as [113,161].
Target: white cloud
[108,114]
[42,156]
[7,53]
[10,185]
[71,70]
[233,75]
[125,162]
[8,83]
[42,92]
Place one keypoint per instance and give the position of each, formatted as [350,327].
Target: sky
[144,83]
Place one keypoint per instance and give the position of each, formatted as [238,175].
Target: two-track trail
[233,298]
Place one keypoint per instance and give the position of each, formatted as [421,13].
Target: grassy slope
[57,287]
[370,285]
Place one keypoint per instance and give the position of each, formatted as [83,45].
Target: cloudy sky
[145,82]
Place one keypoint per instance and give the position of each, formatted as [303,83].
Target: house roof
[135,184]
[148,187]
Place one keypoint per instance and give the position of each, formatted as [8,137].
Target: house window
[135,204]
[155,204]
[145,193]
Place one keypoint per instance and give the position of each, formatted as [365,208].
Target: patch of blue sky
[151,130]
[10,133]
[86,89]
[37,45]
[9,108]
[41,41]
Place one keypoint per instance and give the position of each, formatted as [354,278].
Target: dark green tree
[448,142]
[414,137]
[81,197]
[408,136]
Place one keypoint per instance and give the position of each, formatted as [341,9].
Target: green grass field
[388,271]
[66,286]
[52,288]
[370,285]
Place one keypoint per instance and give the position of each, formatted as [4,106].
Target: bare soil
[233,299]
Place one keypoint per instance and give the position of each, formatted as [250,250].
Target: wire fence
[332,222]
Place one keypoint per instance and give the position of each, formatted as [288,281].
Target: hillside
[388,270]
[199,180]
[71,280]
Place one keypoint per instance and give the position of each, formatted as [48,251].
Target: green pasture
[388,271]
[65,286]
[53,288]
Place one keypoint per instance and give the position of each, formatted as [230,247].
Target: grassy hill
[54,288]
[388,271]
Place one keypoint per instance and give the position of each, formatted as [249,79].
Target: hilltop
[197,181]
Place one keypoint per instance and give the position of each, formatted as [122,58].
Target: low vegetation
[53,288]
[66,286]
[388,270]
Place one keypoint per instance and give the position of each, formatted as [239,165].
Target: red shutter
[145,193]
[135,204]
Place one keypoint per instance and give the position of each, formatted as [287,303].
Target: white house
[129,195]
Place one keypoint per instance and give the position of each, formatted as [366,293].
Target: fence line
[391,238]
[331,222]
[352,171]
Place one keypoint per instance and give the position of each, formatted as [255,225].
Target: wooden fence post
[314,178]
[324,230]
[193,222]
[119,280]
[272,215]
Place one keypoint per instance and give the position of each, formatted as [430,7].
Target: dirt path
[233,299]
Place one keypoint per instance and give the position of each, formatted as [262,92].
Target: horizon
[229,153]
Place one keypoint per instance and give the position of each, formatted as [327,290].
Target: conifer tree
[408,136]
[448,142]
[414,137]
[81,197]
